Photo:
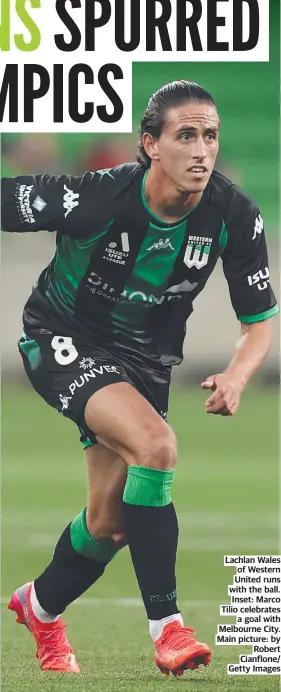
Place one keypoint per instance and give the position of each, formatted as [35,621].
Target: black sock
[153,537]
[68,575]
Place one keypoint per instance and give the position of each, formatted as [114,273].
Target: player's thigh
[94,390]
[107,475]
[126,423]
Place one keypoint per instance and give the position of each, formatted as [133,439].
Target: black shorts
[66,372]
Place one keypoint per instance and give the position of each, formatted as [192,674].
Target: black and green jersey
[124,278]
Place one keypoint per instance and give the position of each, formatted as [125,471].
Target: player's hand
[226,394]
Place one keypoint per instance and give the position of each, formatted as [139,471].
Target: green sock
[148,487]
[85,544]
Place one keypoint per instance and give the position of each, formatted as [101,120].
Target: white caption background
[47,54]
[256,604]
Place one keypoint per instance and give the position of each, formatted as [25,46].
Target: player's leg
[124,422]
[54,365]
[107,475]
[65,375]
[83,550]
[90,540]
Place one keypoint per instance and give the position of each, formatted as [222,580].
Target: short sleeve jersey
[124,278]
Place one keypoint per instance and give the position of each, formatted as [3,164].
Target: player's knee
[159,450]
[106,533]
[104,529]
[120,540]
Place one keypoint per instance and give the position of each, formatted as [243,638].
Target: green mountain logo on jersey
[197,252]
[161,244]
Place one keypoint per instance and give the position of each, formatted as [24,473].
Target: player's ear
[150,146]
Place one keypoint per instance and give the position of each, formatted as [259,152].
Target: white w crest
[195,261]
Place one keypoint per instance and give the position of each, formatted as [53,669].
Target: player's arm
[64,203]
[245,264]
[250,351]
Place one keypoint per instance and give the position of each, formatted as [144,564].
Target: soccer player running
[105,325]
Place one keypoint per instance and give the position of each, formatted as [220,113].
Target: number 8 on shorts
[65,351]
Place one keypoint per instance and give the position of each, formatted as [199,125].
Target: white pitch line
[128,602]
[188,520]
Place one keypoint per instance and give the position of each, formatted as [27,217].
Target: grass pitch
[226,495]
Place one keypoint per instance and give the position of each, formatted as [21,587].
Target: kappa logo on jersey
[259,226]
[113,254]
[197,252]
[161,244]
[259,279]
[70,200]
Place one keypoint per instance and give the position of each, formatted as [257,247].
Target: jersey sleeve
[245,261]
[76,206]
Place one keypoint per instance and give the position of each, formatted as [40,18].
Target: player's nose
[199,151]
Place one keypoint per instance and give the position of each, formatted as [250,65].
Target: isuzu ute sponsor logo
[118,253]
[259,279]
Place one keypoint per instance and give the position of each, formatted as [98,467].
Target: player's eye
[211,136]
[186,136]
